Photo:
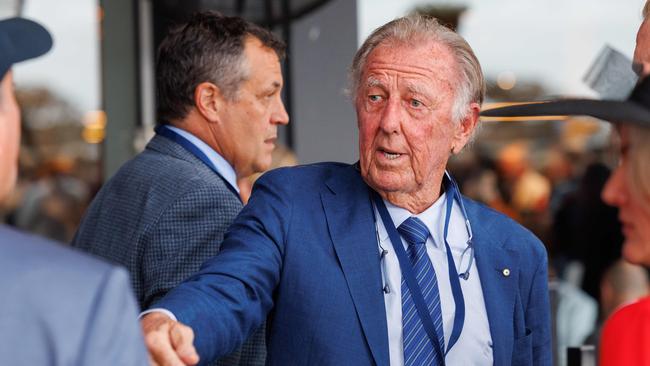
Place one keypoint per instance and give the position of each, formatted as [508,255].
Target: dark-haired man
[218,85]
[57,307]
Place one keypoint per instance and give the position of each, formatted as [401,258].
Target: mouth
[626,225]
[271,140]
[388,154]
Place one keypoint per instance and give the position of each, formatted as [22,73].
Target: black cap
[20,40]
[635,109]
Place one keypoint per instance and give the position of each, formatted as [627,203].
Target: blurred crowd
[555,191]
[59,172]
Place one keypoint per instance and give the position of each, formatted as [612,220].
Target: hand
[168,341]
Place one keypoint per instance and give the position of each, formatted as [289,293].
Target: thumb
[182,338]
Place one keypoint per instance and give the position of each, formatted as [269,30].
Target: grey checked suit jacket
[161,216]
[61,307]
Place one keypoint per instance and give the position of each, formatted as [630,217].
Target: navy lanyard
[409,276]
[162,130]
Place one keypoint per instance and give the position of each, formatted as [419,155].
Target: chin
[636,251]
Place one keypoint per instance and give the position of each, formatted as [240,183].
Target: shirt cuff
[158,310]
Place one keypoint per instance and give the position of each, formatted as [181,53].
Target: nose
[615,193]
[279,115]
[391,117]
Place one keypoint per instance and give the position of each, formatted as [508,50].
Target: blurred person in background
[573,314]
[481,183]
[282,156]
[52,202]
[626,334]
[623,283]
[58,307]
[526,189]
[587,237]
[165,212]
[642,49]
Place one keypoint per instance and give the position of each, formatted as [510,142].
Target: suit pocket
[522,352]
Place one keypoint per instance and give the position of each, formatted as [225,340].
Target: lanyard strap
[409,276]
[162,130]
[457,292]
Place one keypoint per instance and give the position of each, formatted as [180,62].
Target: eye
[416,103]
[374,98]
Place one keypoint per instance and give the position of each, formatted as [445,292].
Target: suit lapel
[347,207]
[499,271]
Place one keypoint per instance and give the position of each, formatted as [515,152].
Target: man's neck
[414,202]
[200,128]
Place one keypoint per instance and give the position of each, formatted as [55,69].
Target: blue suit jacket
[161,216]
[59,307]
[304,250]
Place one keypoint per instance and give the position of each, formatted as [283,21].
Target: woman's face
[622,190]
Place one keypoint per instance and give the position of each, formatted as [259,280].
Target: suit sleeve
[188,232]
[113,335]
[232,293]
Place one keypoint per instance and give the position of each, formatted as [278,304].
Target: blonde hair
[638,155]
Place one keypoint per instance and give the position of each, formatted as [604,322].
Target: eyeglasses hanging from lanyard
[469,249]
[470,246]
[451,188]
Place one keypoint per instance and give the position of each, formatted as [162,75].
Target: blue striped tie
[418,350]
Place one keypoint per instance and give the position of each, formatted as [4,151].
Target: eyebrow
[373,82]
[275,86]
[416,89]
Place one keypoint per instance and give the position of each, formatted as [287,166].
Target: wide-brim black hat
[20,40]
[635,110]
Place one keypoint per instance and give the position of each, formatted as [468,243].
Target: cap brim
[23,39]
[608,110]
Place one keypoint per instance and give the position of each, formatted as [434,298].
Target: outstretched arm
[232,293]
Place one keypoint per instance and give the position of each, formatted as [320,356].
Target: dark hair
[207,48]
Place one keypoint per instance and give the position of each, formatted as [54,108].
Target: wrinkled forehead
[421,63]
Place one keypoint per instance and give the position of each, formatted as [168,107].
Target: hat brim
[608,110]
[21,39]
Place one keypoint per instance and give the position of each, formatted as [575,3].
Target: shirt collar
[223,167]
[433,217]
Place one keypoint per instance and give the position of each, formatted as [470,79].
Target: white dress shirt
[474,346]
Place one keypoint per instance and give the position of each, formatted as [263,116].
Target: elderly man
[374,263]
[57,307]
[165,212]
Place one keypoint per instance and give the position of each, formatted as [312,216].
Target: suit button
[506,272]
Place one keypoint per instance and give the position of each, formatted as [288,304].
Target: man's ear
[208,101]
[465,128]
